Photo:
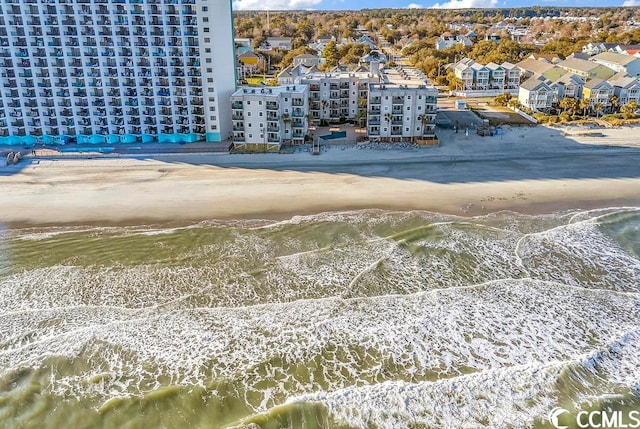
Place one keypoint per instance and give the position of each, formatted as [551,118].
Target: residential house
[447,40]
[569,85]
[497,75]
[512,75]
[598,91]
[536,94]
[586,69]
[480,76]
[250,61]
[625,88]
[619,63]
[530,67]
[291,73]
[465,73]
[366,40]
[278,43]
[373,56]
[306,60]
[594,48]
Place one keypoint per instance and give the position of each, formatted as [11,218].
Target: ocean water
[367,319]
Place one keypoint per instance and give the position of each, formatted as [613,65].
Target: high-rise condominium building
[116,70]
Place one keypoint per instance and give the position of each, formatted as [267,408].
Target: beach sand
[530,170]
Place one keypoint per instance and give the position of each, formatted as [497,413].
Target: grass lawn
[255,80]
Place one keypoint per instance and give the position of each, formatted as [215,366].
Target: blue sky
[459,4]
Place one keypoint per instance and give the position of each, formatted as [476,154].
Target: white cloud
[274,4]
[631,3]
[415,6]
[467,4]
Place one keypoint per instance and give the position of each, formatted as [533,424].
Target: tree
[330,54]
[569,104]
[615,103]
[598,108]
[584,104]
[629,108]
[424,120]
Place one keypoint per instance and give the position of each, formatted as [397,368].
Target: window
[208,60]
[248,102]
[212,99]
[209,70]
[207,39]
[419,107]
[207,50]
[205,19]
[212,109]
[250,135]
[206,29]
[406,129]
[210,89]
[260,103]
[384,129]
[408,107]
[260,114]
[210,79]
[214,127]
[205,8]
[408,97]
[213,118]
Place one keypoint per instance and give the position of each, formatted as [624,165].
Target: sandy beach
[531,170]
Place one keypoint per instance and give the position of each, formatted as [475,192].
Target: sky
[443,4]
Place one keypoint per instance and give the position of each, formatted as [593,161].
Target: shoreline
[175,193]
[531,171]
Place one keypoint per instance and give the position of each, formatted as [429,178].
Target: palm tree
[598,108]
[614,102]
[388,117]
[569,104]
[630,107]
[286,119]
[424,120]
[324,104]
[584,104]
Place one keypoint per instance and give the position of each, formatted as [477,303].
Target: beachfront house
[463,71]
[512,76]
[497,75]
[619,63]
[568,85]
[536,94]
[625,88]
[480,76]
[598,92]
[265,118]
